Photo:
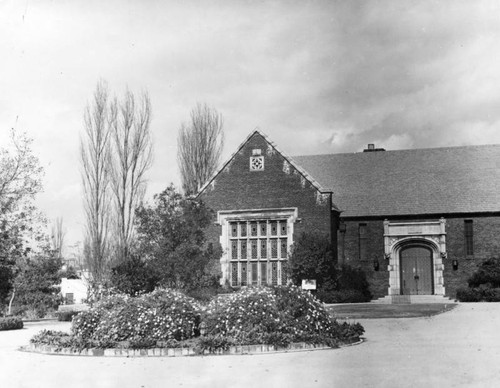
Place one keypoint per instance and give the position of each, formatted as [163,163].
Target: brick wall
[379,280]
[238,188]
[486,230]
[486,244]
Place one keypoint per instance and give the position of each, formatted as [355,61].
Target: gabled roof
[304,173]
[406,182]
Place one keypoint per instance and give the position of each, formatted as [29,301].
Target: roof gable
[271,144]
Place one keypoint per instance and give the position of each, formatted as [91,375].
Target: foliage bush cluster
[484,283]
[166,318]
[158,316]
[11,323]
[276,316]
[312,258]
[66,316]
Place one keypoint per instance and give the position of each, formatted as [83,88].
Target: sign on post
[308,284]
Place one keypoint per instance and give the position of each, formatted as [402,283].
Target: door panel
[416,271]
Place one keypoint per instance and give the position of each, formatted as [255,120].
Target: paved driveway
[460,348]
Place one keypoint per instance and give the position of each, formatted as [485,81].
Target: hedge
[11,323]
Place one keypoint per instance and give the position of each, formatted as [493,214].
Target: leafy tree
[36,284]
[20,180]
[171,235]
[311,257]
[134,276]
[199,147]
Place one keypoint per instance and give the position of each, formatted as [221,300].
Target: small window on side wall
[363,242]
[469,237]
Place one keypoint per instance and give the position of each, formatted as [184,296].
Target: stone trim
[224,217]
[176,352]
[397,235]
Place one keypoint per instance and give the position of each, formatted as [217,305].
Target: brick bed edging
[175,352]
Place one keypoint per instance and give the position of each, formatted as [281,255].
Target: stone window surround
[224,217]
[398,235]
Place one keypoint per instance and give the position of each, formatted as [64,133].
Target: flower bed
[272,316]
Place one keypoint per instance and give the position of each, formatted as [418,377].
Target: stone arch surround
[398,235]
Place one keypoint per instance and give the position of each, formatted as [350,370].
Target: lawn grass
[374,311]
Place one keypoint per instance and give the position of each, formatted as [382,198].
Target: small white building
[74,291]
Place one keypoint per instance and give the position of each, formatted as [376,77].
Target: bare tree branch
[199,147]
[57,235]
[130,157]
[94,149]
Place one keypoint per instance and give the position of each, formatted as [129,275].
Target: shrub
[164,318]
[341,296]
[134,277]
[484,284]
[213,343]
[351,278]
[487,273]
[478,294]
[311,257]
[159,316]
[66,316]
[490,294]
[52,337]
[271,315]
[11,323]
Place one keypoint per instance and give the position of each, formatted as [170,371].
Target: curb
[177,352]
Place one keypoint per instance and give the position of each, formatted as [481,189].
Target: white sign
[308,284]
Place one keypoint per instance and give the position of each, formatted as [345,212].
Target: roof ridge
[402,150]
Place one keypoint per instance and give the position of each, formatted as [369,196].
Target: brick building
[417,221]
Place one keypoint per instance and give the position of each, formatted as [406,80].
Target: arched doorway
[416,270]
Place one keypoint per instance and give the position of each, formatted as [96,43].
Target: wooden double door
[417,277]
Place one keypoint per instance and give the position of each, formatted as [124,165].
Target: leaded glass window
[274,248]
[234,250]
[234,274]
[254,249]
[274,273]
[283,228]
[263,272]
[243,251]
[253,229]
[283,248]
[255,276]
[263,249]
[274,229]
[244,274]
[252,245]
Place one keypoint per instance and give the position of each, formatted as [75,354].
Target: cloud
[316,76]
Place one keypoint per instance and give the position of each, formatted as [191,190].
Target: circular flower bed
[275,316]
[165,318]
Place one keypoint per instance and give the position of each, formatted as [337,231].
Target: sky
[315,76]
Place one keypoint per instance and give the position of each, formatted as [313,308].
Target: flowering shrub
[52,337]
[165,318]
[158,316]
[277,316]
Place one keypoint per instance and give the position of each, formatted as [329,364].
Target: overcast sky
[315,76]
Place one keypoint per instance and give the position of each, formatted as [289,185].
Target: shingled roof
[410,182]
